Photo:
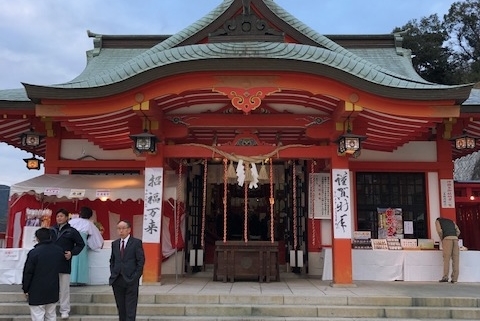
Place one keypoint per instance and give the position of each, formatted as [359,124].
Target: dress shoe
[443,280]
[453,281]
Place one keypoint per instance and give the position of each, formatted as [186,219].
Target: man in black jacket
[70,240]
[40,281]
[126,268]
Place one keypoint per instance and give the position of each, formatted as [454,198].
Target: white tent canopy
[90,187]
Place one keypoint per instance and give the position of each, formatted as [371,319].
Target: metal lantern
[349,143]
[31,138]
[33,162]
[145,142]
[464,141]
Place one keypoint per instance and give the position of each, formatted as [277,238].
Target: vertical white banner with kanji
[322,208]
[152,210]
[342,211]
[448,193]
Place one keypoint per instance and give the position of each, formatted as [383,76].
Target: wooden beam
[393,166]
[246,121]
[199,151]
[97,164]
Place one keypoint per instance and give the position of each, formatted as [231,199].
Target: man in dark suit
[126,268]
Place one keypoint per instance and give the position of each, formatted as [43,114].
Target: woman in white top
[92,238]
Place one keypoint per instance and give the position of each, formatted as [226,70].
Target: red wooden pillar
[445,179]
[153,250]
[52,154]
[342,192]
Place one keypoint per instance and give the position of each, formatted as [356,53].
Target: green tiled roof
[396,60]
[379,65]
[341,59]
[107,59]
[474,98]
[390,67]
[14,95]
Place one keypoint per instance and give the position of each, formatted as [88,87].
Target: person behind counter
[70,240]
[92,237]
[40,281]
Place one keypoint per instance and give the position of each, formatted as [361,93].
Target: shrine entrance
[248,211]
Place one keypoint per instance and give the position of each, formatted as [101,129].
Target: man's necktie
[122,248]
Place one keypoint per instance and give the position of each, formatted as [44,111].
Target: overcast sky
[44,41]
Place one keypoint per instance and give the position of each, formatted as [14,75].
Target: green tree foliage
[429,56]
[446,51]
[462,22]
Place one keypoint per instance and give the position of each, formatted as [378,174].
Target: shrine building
[245,131]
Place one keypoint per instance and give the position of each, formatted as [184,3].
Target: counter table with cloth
[12,261]
[403,265]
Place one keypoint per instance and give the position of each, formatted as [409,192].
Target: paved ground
[290,286]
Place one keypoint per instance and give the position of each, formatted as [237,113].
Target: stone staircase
[89,305]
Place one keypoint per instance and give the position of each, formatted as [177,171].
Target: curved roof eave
[15,99]
[204,57]
[18,94]
[474,98]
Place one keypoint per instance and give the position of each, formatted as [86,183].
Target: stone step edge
[247,318]
[257,306]
[104,298]
[252,310]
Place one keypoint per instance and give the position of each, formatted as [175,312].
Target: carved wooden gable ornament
[246,27]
